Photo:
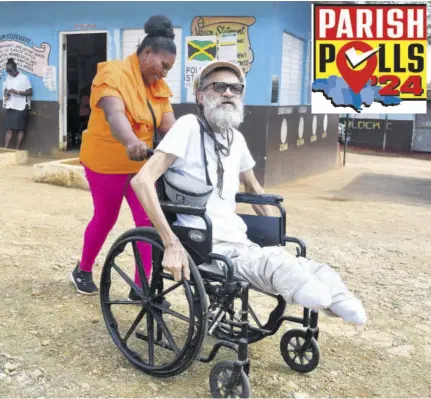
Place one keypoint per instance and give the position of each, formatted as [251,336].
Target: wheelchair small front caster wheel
[290,347]
[221,386]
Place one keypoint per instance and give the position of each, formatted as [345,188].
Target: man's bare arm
[175,259]
[144,186]
[251,185]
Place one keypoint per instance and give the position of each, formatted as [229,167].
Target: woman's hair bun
[10,60]
[159,25]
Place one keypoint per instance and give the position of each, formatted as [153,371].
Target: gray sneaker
[83,281]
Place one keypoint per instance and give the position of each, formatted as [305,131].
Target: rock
[95,320]
[45,342]
[12,373]
[36,293]
[301,395]
[10,367]
[34,332]
[122,369]
[334,373]
[36,373]
[153,386]
[2,376]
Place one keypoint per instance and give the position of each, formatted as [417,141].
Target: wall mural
[213,26]
[28,56]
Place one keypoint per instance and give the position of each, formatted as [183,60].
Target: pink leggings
[108,191]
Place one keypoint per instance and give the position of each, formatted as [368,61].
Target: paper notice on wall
[228,47]
[50,78]
[199,51]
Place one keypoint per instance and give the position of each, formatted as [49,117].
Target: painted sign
[29,57]
[370,58]
[216,26]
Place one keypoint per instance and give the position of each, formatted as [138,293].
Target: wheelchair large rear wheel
[161,327]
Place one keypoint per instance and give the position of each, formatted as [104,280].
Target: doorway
[80,56]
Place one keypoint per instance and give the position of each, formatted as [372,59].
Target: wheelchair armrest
[258,199]
[302,250]
[172,207]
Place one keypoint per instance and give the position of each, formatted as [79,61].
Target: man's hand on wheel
[175,261]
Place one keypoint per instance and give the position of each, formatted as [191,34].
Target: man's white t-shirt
[19,83]
[184,141]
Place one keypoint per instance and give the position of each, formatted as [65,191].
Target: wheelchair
[163,337]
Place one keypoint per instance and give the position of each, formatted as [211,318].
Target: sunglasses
[221,87]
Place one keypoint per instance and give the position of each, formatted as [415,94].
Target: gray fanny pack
[187,189]
[181,188]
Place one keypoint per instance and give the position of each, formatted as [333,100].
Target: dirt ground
[370,220]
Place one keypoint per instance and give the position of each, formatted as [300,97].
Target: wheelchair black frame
[240,289]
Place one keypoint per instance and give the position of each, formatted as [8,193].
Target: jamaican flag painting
[201,50]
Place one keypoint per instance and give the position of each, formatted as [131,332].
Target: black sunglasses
[221,87]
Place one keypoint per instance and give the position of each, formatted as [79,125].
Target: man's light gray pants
[274,270]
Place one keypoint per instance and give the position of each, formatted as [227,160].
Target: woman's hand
[137,150]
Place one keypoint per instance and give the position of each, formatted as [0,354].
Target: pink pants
[108,191]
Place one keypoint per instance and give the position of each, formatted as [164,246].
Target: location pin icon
[356,79]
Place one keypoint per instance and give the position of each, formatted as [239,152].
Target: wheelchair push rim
[157,334]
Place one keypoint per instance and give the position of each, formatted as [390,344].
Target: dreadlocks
[218,148]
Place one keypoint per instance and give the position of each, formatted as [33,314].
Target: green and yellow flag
[201,50]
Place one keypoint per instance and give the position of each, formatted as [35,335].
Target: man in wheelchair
[208,157]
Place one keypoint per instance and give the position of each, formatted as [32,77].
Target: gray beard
[223,116]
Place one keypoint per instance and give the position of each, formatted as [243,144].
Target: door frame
[62,80]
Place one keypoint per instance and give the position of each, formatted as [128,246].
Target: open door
[80,53]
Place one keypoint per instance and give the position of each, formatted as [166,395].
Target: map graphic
[335,89]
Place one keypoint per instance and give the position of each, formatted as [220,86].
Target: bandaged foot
[343,303]
[313,294]
[350,310]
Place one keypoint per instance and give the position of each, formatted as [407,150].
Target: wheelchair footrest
[216,348]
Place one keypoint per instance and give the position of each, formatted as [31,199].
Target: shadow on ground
[382,187]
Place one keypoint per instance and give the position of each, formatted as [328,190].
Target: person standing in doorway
[129,100]
[16,89]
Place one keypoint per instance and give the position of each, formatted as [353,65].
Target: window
[132,38]
[293,54]
[274,91]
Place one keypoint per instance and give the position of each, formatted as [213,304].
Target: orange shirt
[100,151]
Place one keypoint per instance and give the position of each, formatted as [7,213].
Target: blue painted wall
[42,22]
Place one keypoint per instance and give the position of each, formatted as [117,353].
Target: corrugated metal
[422,133]
[422,140]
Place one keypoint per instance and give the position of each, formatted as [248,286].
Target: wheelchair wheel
[221,386]
[290,345]
[160,329]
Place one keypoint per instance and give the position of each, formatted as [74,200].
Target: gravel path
[370,220]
